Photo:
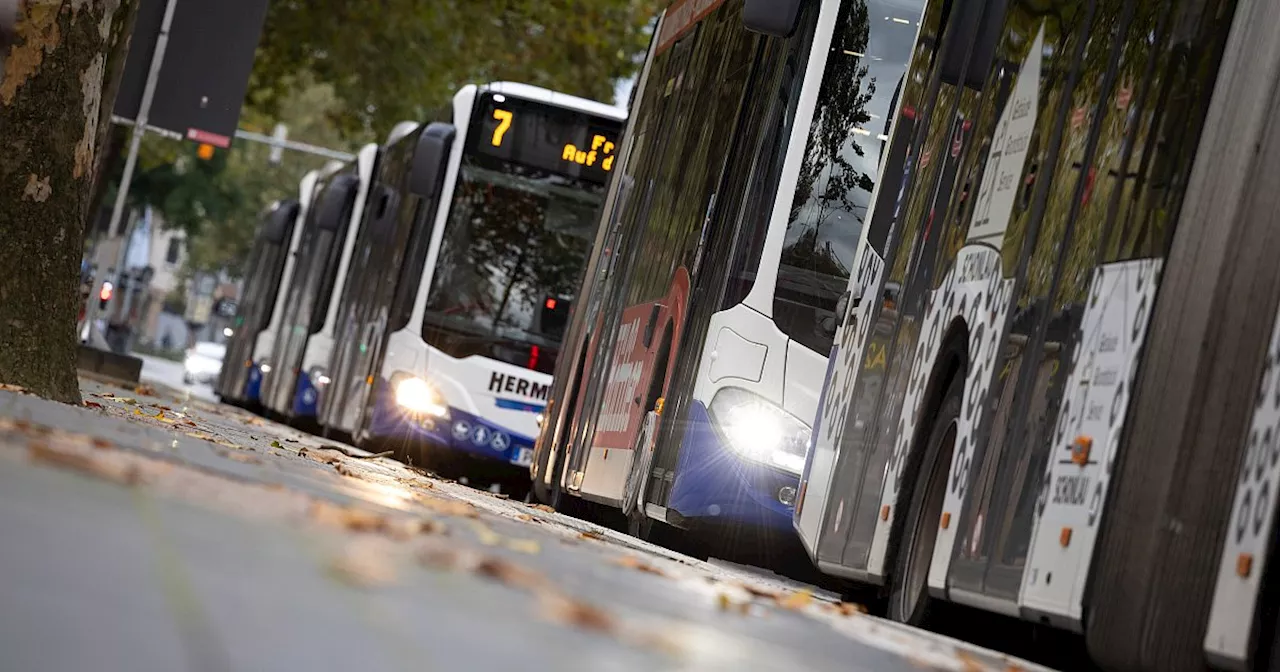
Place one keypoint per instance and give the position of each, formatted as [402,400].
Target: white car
[203,362]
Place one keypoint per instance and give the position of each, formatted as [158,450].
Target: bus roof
[539,94]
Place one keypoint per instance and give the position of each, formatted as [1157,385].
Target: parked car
[203,362]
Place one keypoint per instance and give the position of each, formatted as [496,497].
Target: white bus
[309,316]
[1054,395]
[261,282]
[501,200]
[752,155]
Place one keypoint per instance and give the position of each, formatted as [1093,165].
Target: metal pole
[135,143]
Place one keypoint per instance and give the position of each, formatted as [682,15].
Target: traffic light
[205,151]
[104,295]
[555,316]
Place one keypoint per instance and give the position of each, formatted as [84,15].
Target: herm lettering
[500,383]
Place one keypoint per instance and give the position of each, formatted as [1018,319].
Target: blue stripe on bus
[513,405]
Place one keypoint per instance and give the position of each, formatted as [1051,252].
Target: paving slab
[147,530]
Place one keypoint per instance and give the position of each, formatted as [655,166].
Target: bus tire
[909,600]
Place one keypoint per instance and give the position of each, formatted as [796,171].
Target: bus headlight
[318,377]
[417,395]
[759,430]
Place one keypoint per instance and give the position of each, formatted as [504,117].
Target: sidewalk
[151,532]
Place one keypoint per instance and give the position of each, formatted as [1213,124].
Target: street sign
[205,74]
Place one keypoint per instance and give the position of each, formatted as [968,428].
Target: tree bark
[50,105]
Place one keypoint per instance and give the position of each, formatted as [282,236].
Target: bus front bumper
[306,398]
[253,385]
[714,484]
[459,431]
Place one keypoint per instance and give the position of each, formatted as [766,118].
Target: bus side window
[411,268]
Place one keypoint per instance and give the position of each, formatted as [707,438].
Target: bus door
[744,187]
[937,105]
[367,264]
[609,388]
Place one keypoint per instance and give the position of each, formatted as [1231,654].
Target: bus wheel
[909,599]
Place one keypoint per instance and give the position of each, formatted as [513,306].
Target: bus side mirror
[430,159]
[977,26]
[336,202]
[776,18]
[280,222]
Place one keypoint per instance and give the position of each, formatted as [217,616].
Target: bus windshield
[513,247]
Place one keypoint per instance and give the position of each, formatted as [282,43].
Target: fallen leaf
[243,457]
[635,563]
[41,453]
[509,573]
[101,443]
[6,387]
[525,517]
[343,469]
[529,546]
[440,558]
[92,404]
[302,452]
[363,566]
[163,408]
[486,535]
[757,591]
[451,507]
[145,390]
[591,534]
[128,401]
[275,444]
[189,423]
[968,662]
[850,608]
[577,614]
[797,600]
[356,520]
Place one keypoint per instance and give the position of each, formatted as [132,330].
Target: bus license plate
[524,457]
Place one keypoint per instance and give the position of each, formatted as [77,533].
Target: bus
[394,224]
[263,270]
[258,363]
[311,303]
[1056,360]
[497,204]
[754,151]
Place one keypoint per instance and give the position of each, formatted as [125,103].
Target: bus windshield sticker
[1008,153]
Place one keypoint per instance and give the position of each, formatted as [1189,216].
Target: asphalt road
[155,531]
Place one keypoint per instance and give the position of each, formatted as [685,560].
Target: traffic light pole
[131,162]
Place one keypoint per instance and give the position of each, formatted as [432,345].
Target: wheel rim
[925,534]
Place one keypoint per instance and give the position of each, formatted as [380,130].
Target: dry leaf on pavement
[543,507]
[41,453]
[363,565]
[635,563]
[578,614]
[797,600]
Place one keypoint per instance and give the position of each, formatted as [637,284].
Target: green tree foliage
[396,59]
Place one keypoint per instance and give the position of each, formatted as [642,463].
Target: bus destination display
[545,137]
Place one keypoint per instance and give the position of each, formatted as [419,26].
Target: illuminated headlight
[228,332]
[318,377]
[759,430]
[265,368]
[417,395]
[540,418]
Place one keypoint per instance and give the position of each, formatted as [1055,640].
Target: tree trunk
[50,102]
